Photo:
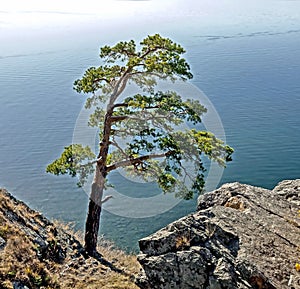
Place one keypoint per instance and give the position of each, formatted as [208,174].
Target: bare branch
[114,143]
[90,163]
[186,173]
[106,199]
[118,90]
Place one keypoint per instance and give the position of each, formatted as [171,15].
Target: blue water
[250,74]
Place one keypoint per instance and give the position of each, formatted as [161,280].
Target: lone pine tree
[153,149]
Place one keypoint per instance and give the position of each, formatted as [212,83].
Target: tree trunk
[94,212]
[95,202]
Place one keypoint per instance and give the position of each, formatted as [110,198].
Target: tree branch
[118,118]
[119,105]
[102,79]
[145,118]
[106,199]
[124,78]
[118,90]
[114,143]
[90,163]
[150,50]
[134,161]
[158,75]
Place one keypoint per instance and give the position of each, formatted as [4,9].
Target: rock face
[51,242]
[31,247]
[240,237]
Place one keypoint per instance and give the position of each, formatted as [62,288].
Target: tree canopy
[139,132]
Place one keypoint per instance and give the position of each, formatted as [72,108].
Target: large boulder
[240,237]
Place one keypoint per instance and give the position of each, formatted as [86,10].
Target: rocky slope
[36,253]
[240,237]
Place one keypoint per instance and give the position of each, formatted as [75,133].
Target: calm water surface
[252,78]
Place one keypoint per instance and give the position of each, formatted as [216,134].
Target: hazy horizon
[33,14]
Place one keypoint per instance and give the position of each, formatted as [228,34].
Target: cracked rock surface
[240,237]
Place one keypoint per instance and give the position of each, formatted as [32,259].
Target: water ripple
[241,35]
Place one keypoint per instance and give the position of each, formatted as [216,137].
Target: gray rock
[19,285]
[289,189]
[2,243]
[241,237]
[42,245]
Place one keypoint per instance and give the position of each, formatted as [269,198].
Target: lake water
[251,75]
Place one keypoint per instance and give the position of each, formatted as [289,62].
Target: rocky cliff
[36,253]
[240,237]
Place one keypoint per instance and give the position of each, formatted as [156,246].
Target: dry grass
[96,275]
[20,259]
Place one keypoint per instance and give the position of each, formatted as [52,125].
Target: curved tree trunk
[94,212]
